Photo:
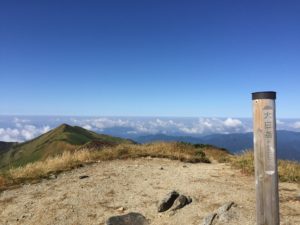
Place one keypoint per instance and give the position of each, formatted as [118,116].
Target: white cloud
[107,122]
[279,122]
[214,125]
[20,130]
[149,126]
[164,125]
[22,133]
[203,125]
[192,130]
[229,122]
[9,135]
[45,129]
[88,127]
[296,125]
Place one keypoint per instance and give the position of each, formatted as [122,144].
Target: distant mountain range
[288,142]
[56,141]
[70,138]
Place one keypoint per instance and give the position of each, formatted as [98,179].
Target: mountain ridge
[54,142]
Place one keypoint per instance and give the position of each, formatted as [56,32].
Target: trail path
[138,185]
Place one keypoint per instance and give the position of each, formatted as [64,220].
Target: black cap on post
[264,95]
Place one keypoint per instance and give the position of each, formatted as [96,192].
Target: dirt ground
[138,185]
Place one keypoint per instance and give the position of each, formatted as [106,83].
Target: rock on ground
[128,219]
[180,202]
[168,201]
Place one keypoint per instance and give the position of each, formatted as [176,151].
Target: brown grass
[244,162]
[69,160]
[220,155]
[288,171]
[173,150]
[59,163]
[2,181]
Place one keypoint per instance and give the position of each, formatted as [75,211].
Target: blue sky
[148,58]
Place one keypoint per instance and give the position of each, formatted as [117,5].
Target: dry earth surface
[137,186]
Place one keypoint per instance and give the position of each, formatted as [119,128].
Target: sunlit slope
[56,141]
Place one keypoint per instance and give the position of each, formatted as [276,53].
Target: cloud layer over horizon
[24,128]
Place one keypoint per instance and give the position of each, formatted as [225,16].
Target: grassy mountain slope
[56,141]
[5,146]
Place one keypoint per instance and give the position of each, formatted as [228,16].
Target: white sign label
[269,139]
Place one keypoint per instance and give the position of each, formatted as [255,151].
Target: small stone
[121,209]
[161,168]
[83,176]
[184,166]
[52,176]
[181,201]
[221,214]
[168,201]
[128,219]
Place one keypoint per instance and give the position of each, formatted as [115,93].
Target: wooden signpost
[266,174]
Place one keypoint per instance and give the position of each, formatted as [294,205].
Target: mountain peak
[63,127]
[63,138]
